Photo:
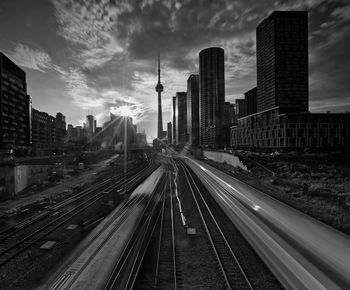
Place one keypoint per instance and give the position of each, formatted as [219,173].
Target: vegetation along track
[232,271]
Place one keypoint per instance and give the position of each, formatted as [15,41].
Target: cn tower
[159,89]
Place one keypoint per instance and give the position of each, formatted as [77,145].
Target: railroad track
[166,271]
[10,231]
[28,233]
[233,274]
[71,275]
[125,273]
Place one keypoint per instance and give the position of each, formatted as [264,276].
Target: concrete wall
[222,157]
[22,177]
[7,181]
[15,178]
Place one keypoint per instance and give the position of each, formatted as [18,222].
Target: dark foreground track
[233,273]
[17,239]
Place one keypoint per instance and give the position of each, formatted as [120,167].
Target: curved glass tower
[211,97]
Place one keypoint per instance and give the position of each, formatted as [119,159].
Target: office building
[211,97]
[193,109]
[170,133]
[251,101]
[90,125]
[241,108]
[229,114]
[228,120]
[282,62]
[282,121]
[141,138]
[113,131]
[181,118]
[15,107]
[174,121]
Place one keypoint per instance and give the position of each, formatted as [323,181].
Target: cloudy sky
[92,56]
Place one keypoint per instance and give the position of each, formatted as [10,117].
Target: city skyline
[64,75]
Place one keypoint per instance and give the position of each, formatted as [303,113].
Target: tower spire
[158,68]
[159,89]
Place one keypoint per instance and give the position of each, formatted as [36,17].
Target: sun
[124,111]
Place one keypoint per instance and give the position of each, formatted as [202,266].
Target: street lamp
[124,111]
[125,150]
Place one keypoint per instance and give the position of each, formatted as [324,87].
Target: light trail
[302,252]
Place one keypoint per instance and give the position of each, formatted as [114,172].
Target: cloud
[89,25]
[115,46]
[102,101]
[33,58]
[342,13]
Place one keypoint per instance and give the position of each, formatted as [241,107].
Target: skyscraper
[282,62]
[229,114]
[211,96]
[228,120]
[251,101]
[60,128]
[241,108]
[193,109]
[174,121]
[90,124]
[170,134]
[180,118]
[15,106]
[159,89]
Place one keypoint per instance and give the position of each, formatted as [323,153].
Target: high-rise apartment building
[181,118]
[41,132]
[48,132]
[15,106]
[193,109]
[60,126]
[282,62]
[211,97]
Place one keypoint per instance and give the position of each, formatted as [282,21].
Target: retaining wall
[222,157]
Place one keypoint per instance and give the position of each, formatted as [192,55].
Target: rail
[233,273]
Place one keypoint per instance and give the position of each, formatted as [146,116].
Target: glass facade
[211,97]
[193,109]
[282,61]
